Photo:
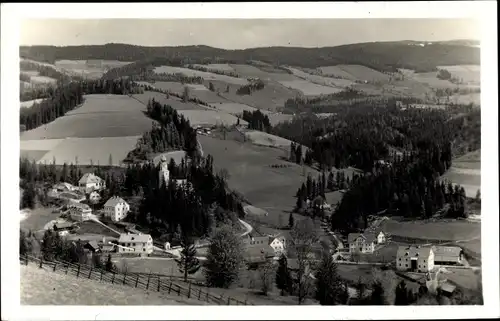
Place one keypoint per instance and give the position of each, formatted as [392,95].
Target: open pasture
[30,73]
[272,96]
[249,71]
[336,72]
[94,104]
[37,218]
[469,74]
[248,165]
[430,79]
[265,139]
[310,89]
[42,80]
[320,80]
[466,171]
[87,151]
[276,118]
[363,73]
[210,117]
[473,98]
[172,101]
[197,73]
[92,125]
[438,230]
[235,108]
[30,103]
[94,69]
[217,67]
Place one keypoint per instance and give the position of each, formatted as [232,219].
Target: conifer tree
[188,263]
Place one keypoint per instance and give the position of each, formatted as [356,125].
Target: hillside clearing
[466,171]
[265,139]
[197,73]
[173,102]
[332,82]
[87,151]
[42,80]
[107,104]
[249,71]
[235,108]
[210,117]
[42,287]
[469,74]
[310,89]
[218,67]
[363,73]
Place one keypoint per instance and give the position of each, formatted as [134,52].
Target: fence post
[101,275]
[137,280]
[149,277]
[199,294]
[90,272]
[41,262]
[178,290]
[246,301]
[189,290]
[67,267]
[207,295]
[170,287]
[26,259]
[159,282]
[54,269]
[78,273]
[113,279]
[228,301]
[124,277]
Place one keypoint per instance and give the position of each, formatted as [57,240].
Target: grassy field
[217,67]
[80,67]
[29,103]
[91,227]
[326,81]
[42,287]
[310,89]
[210,117]
[173,102]
[443,230]
[235,108]
[470,74]
[336,71]
[265,139]
[37,218]
[364,73]
[197,73]
[109,116]
[42,80]
[466,171]
[258,72]
[250,173]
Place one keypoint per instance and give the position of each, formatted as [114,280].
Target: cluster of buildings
[365,242]
[426,258]
[260,249]
[141,244]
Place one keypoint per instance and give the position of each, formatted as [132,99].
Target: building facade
[361,243]
[415,259]
[79,212]
[90,182]
[135,243]
[448,255]
[116,209]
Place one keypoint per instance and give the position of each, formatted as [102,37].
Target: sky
[240,33]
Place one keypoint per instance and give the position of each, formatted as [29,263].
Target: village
[104,230]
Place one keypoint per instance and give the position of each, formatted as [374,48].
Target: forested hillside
[384,56]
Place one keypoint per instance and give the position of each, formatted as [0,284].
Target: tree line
[214,71]
[175,77]
[250,88]
[257,120]
[66,97]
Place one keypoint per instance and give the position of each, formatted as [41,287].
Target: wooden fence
[148,282]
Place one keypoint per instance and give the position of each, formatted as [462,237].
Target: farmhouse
[63,228]
[64,187]
[257,249]
[73,197]
[415,259]
[381,237]
[90,182]
[278,245]
[361,243]
[79,212]
[448,255]
[92,246]
[135,243]
[116,209]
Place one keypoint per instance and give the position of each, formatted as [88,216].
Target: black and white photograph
[255,161]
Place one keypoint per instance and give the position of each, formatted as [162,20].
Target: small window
[400,259]
[406,265]
[424,261]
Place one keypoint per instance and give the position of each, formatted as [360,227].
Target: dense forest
[171,131]
[43,70]
[177,77]
[250,88]
[196,206]
[257,120]
[384,56]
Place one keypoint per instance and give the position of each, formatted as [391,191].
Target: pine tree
[377,296]
[401,294]
[329,288]
[28,198]
[224,258]
[109,266]
[188,262]
[291,221]
[211,86]
[283,278]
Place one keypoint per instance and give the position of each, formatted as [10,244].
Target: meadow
[363,73]
[470,74]
[173,102]
[265,139]
[80,67]
[218,67]
[102,103]
[310,89]
[210,117]
[37,218]
[326,81]
[197,73]
[466,171]
[273,74]
[337,72]
[235,108]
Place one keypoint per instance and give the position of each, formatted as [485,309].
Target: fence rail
[148,282]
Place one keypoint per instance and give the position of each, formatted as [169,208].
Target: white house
[278,245]
[415,259]
[79,212]
[90,182]
[116,209]
[361,243]
[381,239]
[135,243]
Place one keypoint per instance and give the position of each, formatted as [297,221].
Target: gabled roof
[368,237]
[80,206]
[259,253]
[63,225]
[93,244]
[115,200]
[413,251]
[138,238]
[88,178]
[447,251]
[447,287]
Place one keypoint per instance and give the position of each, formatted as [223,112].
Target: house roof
[88,178]
[369,237]
[63,225]
[115,200]
[447,287]
[447,251]
[259,253]
[63,185]
[80,205]
[93,244]
[413,251]
[138,238]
